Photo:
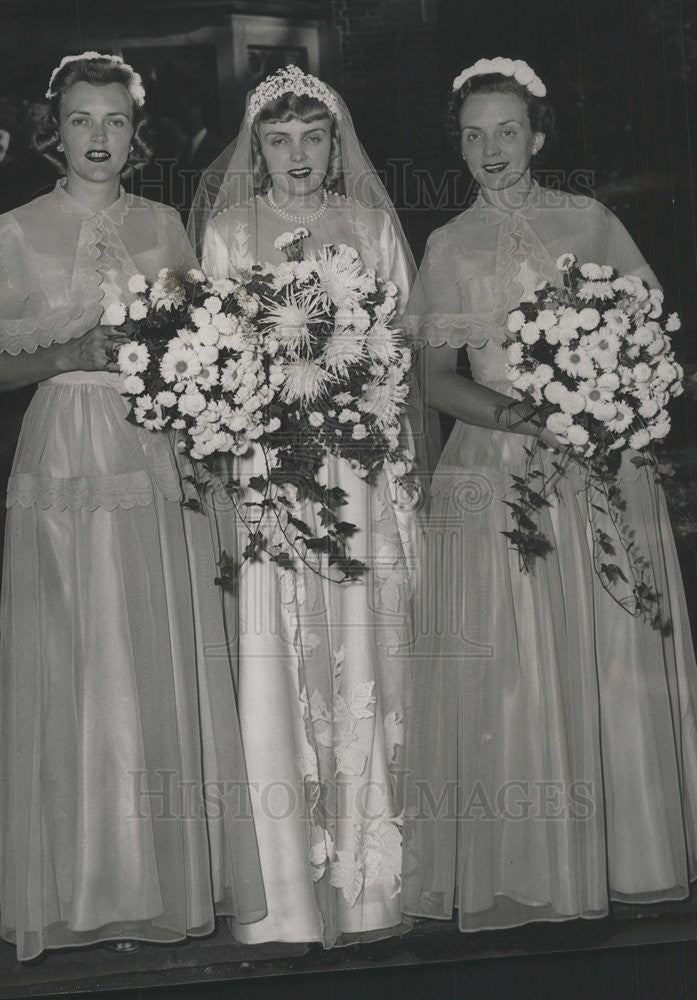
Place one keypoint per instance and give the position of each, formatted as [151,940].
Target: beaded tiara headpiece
[134,86]
[290,80]
[519,70]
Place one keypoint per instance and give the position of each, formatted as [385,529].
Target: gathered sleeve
[446,306]
[27,318]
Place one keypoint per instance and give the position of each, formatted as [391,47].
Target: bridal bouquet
[326,321]
[297,360]
[595,362]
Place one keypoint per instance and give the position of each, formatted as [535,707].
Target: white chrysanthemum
[666,371]
[624,415]
[624,285]
[589,290]
[179,363]
[588,319]
[227,325]
[546,319]
[616,321]
[315,419]
[114,314]
[191,403]
[530,333]
[137,310]
[133,385]
[575,361]
[137,285]
[515,321]
[206,354]
[207,335]
[591,271]
[196,275]
[643,335]
[133,358]
[385,399]
[554,392]
[343,349]
[639,439]
[649,408]
[304,381]
[641,372]
[290,322]
[572,402]
[672,322]
[339,276]
[359,432]
[200,317]
[542,374]
[382,344]
[514,353]
[178,424]
[576,435]
[659,428]
[559,423]
[166,399]
[213,304]
[566,262]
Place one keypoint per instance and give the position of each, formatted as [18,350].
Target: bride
[324,667]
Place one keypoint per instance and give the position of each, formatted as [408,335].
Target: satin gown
[552,758]
[118,710]
[324,668]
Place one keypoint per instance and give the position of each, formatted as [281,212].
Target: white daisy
[133,358]
[179,363]
[624,416]
[575,361]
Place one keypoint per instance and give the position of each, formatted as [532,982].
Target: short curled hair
[298,107]
[99,72]
[540,111]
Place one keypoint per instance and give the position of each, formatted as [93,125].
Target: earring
[59,147]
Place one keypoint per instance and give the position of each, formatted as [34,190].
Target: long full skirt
[124,797]
[552,759]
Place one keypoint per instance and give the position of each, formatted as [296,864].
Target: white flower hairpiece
[519,70]
[290,80]
[135,85]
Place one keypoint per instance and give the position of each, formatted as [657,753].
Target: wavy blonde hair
[296,107]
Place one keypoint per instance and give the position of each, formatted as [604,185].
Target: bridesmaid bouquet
[298,358]
[595,362]
[196,362]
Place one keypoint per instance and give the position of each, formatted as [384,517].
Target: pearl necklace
[298,219]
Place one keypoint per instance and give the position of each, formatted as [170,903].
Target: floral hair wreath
[519,70]
[135,85]
[290,80]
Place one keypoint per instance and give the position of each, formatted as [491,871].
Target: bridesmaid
[117,701]
[554,747]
